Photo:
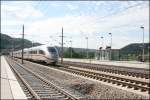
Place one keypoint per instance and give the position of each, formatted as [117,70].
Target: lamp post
[62,48]
[22,45]
[102,47]
[70,49]
[87,48]
[143,43]
[110,45]
[12,48]
[32,48]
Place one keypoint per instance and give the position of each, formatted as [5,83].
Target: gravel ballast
[83,87]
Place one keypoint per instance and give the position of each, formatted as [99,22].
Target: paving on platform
[133,64]
[10,88]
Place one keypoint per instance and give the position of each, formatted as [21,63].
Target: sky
[43,22]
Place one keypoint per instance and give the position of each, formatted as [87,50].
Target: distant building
[107,54]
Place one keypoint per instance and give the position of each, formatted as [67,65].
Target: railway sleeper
[48,92]
[105,80]
[118,83]
[106,76]
[54,95]
[60,97]
[44,90]
[145,84]
[113,77]
[142,76]
[144,90]
[117,78]
[147,77]
[53,98]
[28,95]
[129,86]
[127,80]
[136,88]
[41,88]
[148,84]
[113,82]
[117,72]
[124,85]
[101,79]
[108,81]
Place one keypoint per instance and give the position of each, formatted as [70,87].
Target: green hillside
[8,42]
[134,51]
[129,52]
[7,45]
[135,48]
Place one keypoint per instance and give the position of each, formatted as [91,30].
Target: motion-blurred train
[42,53]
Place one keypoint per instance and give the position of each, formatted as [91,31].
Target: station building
[107,54]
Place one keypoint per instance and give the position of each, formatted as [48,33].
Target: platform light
[87,54]
[142,27]
[110,45]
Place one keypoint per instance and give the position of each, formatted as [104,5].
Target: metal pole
[87,55]
[12,47]
[31,49]
[110,45]
[102,48]
[62,47]
[143,44]
[99,54]
[71,49]
[22,42]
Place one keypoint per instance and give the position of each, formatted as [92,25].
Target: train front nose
[54,56]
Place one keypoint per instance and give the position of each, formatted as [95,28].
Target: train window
[51,49]
[41,52]
[30,52]
[34,52]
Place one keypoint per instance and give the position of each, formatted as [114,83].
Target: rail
[35,95]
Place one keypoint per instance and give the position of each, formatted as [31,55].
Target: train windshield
[51,49]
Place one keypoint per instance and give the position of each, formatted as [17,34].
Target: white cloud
[29,12]
[121,25]
[55,5]
[9,8]
[72,7]
[20,11]
[71,24]
[68,5]
[11,23]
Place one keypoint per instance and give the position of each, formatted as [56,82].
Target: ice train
[41,53]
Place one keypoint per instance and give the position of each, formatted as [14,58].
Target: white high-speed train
[42,53]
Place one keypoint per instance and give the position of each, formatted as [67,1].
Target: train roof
[36,48]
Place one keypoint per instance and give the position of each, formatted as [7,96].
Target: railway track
[143,86]
[129,82]
[112,69]
[37,87]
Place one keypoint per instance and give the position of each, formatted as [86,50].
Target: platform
[133,64]
[10,88]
